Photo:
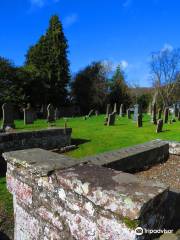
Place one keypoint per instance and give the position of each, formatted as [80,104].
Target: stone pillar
[56,198]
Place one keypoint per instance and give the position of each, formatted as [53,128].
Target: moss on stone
[132,224]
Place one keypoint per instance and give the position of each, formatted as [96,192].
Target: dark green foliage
[119,92]
[144,100]
[49,58]
[89,87]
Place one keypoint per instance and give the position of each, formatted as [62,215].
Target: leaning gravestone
[139,120]
[50,113]
[154,120]
[159,126]
[111,119]
[8,116]
[28,114]
[121,110]
[166,114]
[137,111]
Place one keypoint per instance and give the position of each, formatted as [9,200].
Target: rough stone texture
[83,202]
[133,158]
[174,148]
[111,119]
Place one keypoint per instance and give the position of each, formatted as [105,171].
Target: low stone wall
[134,158]
[56,198]
[46,139]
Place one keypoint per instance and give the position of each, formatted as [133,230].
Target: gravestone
[28,114]
[108,110]
[137,111]
[50,113]
[166,114]
[57,114]
[128,113]
[139,120]
[179,115]
[97,113]
[8,116]
[111,119]
[159,113]
[121,110]
[175,107]
[115,108]
[154,120]
[90,113]
[159,126]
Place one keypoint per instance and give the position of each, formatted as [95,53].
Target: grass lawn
[93,137]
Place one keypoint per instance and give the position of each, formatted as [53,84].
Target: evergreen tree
[49,57]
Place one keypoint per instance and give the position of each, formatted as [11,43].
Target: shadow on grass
[79,141]
[4,236]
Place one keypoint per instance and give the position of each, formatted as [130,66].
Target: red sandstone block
[21,190]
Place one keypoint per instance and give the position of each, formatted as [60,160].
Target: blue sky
[120,31]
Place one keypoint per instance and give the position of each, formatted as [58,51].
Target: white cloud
[166,47]
[70,20]
[124,64]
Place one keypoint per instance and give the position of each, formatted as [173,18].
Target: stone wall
[135,158]
[46,139]
[56,197]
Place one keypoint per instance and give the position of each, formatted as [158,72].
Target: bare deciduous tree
[165,69]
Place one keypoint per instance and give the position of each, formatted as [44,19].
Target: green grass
[93,137]
[97,138]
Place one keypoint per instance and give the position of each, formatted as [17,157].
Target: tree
[165,66]
[89,87]
[49,58]
[119,92]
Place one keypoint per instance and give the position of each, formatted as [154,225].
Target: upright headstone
[8,116]
[50,113]
[137,111]
[139,120]
[159,113]
[166,114]
[28,114]
[121,110]
[159,126]
[128,113]
[115,108]
[176,110]
[179,115]
[111,119]
[154,120]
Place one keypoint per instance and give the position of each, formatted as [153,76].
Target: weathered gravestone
[111,119]
[176,110]
[128,113]
[8,116]
[121,110]
[115,108]
[28,114]
[50,113]
[137,111]
[159,126]
[159,113]
[154,120]
[166,114]
[139,120]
